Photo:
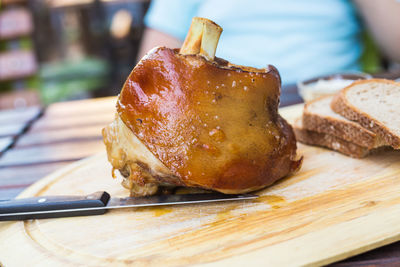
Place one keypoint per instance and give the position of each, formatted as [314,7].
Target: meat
[144,173]
[197,121]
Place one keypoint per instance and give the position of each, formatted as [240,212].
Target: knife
[98,203]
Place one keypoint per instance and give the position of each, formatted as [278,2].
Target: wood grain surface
[35,143]
[13,123]
[53,153]
[335,207]
[5,143]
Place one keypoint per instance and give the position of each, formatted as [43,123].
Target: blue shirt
[302,38]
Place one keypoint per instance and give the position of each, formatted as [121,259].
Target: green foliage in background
[371,59]
[70,79]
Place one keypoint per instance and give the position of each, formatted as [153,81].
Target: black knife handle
[16,209]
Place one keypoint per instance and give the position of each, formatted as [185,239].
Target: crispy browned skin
[214,125]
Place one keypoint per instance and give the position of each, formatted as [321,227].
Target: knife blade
[98,203]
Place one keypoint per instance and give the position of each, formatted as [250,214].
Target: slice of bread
[329,141]
[375,105]
[319,117]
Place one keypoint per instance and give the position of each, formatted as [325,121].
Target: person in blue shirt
[302,38]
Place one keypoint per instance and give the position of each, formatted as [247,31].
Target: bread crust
[342,106]
[349,131]
[329,141]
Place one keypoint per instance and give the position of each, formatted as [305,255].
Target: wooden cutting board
[335,207]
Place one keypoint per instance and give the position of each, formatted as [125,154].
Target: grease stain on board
[274,201]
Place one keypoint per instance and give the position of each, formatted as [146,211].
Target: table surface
[35,142]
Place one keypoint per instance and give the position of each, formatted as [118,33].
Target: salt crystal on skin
[335,145]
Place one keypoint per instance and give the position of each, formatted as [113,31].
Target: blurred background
[57,50]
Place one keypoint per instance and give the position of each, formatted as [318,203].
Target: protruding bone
[202,38]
